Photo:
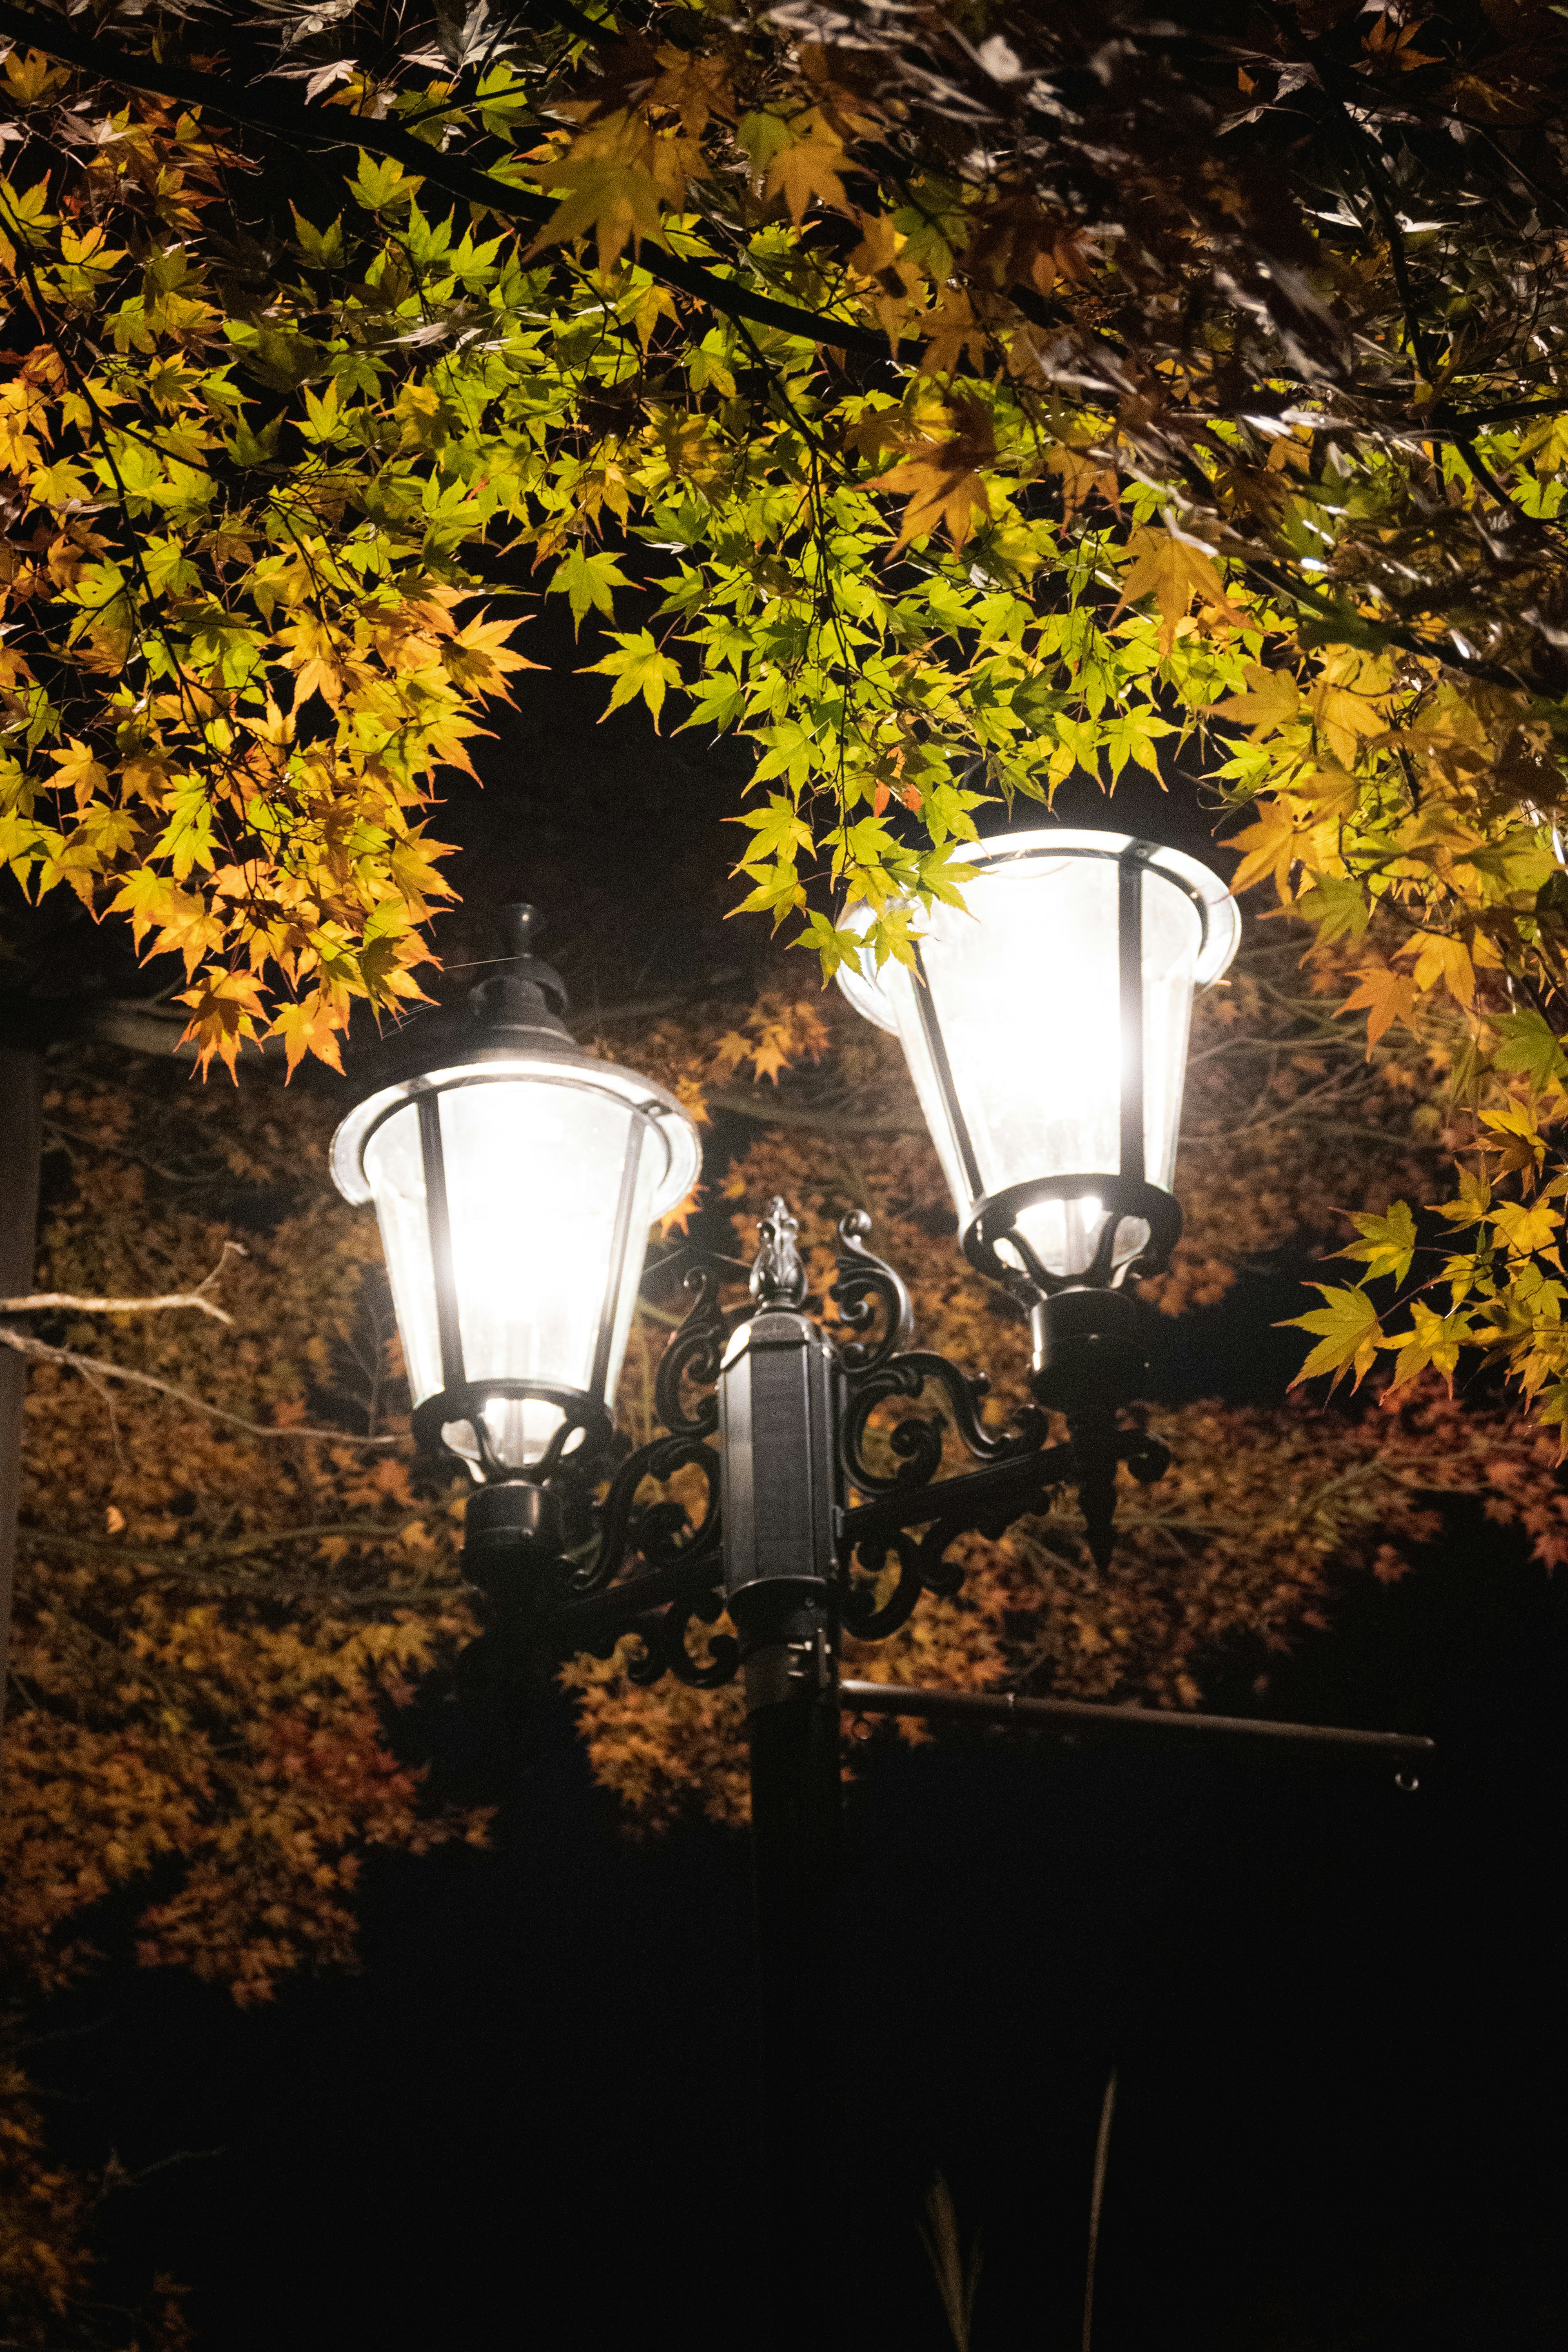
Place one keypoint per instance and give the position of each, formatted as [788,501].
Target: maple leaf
[940,479]
[1173,570]
[952,333]
[638,668]
[1082,475]
[895,280]
[1433,1340]
[1350,1333]
[678,1219]
[779,829]
[1272,700]
[1386,997]
[587,581]
[810,166]
[1342,702]
[308,1026]
[620,176]
[1387,1243]
[1520,1146]
[1531,1045]
[1439,959]
[224,1009]
[1272,845]
[1528,1230]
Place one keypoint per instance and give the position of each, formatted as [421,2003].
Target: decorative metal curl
[658,1532]
[923,1567]
[664,1651]
[919,1439]
[863,1619]
[693,1351]
[866,1282]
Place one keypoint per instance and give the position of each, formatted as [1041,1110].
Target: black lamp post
[1046,1030]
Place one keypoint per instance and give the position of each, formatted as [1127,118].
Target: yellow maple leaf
[310,1026]
[223,1010]
[809,166]
[621,174]
[952,333]
[1272,846]
[1272,700]
[1343,704]
[1173,570]
[1442,960]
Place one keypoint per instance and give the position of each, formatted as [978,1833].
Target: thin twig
[1096,2198]
[95,1368]
[39,1300]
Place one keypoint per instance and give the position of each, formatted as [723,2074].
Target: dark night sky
[1334,2007]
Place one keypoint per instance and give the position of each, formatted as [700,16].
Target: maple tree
[218,1616]
[978,402]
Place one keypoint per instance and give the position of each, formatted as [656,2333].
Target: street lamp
[515,1179]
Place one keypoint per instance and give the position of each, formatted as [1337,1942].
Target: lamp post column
[778,1412]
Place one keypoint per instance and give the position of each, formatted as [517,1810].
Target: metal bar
[617,1608]
[1084,1715]
[617,1256]
[936,1045]
[437,1210]
[977,1491]
[1130,977]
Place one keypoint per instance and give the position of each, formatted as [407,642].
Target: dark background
[1332,2004]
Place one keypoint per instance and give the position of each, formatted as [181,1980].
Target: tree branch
[39,1300]
[98,1367]
[290,120]
[198,1557]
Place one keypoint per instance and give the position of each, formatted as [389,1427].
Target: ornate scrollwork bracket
[896,1505]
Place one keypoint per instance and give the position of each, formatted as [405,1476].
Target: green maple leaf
[1347,1331]
[1387,1244]
[587,581]
[1530,1047]
[638,668]
[832,945]
[779,828]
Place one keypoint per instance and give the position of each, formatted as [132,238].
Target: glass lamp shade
[515,1195]
[1045,1025]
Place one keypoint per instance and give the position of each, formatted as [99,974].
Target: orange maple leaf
[940,479]
[1386,996]
[1173,570]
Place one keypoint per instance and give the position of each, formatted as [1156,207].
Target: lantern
[1045,1024]
[514,1182]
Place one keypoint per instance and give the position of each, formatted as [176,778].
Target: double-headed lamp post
[515,1180]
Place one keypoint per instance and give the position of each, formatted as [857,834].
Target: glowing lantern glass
[1045,1029]
[514,1190]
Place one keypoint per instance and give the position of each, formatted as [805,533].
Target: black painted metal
[623,1234]
[779,1402]
[996,1220]
[1081,1715]
[1129,1000]
[439,1217]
